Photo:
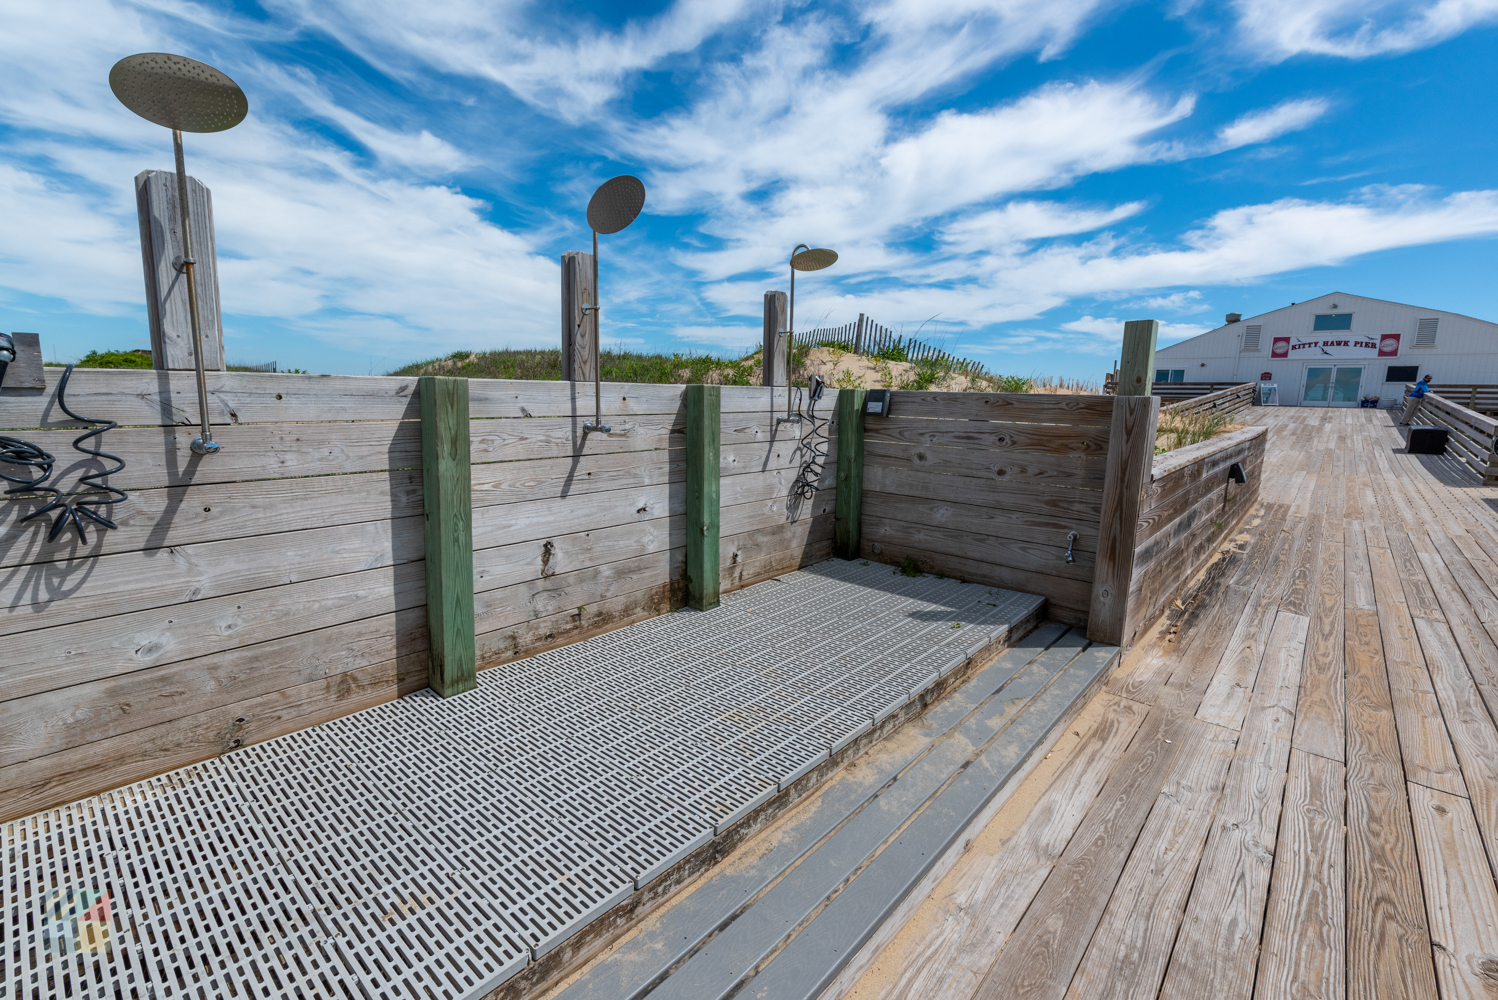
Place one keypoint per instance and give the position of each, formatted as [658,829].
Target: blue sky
[1030,173]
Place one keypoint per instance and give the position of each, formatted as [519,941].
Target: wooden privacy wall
[245,595]
[986,487]
[1186,510]
[575,536]
[281,582]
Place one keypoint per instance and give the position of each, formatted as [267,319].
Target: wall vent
[1251,335]
[1425,334]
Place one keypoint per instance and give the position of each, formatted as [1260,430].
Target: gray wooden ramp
[784,924]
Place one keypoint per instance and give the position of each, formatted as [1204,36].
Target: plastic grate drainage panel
[430,848]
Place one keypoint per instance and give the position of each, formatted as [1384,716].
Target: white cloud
[1262,126]
[307,236]
[1354,29]
[1020,221]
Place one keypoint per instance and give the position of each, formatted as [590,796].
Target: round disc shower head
[178,92]
[814,260]
[616,204]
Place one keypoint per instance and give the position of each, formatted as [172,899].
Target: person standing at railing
[1412,403]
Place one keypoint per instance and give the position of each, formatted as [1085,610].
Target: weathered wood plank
[1082,472]
[1128,953]
[1019,497]
[539,634]
[1228,696]
[1424,742]
[1388,941]
[1357,575]
[1136,364]
[1217,949]
[1471,726]
[1010,438]
[1304,952]
[1459,894]
[1015,407]
[1130,455]
[189,515]
[48,658]
[984,521]
[53,594]
[939,539]
[1320,722]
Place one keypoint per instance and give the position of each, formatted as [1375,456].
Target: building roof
[1327,295]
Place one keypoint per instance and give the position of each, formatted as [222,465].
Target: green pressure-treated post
[704,448]
[447,503]
[848,501]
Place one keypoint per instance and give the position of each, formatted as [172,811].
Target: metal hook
[1071,542]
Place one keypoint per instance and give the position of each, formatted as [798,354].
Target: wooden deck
[1289,789]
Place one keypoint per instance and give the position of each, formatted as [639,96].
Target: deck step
[784,924]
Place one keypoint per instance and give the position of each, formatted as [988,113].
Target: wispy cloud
[1354,29]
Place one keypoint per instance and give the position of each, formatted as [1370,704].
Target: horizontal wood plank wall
[986,487]
[766,528]
[245,595]
[576,535]
[1186,511]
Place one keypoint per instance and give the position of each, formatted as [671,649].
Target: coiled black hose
[28,455]
[805,485]
[84,506]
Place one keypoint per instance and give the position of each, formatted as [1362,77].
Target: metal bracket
[1071,543]
[589,427]
[179,263]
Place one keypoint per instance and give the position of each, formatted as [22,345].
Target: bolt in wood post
[704,450]
[447,506]
[848,502]
[1137,366]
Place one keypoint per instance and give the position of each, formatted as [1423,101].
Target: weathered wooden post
[579,319]
[704,453]
[858,336]
[161,252]
[774,344]
[1131,457]
[447,506]
[847,504]
[1136,372]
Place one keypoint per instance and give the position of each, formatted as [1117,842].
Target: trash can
[1426,440]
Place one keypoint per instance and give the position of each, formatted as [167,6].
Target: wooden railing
[1483,398]
[1472,438]
[1172,392]
[1224,401]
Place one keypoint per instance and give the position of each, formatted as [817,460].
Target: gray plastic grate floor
[431,848]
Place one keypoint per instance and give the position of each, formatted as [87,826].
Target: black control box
[876,404]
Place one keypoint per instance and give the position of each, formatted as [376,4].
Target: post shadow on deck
[447,510]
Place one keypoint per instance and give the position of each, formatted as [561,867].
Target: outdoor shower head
[178,93]
[803,258]
[813,259]
[615,204]
[183,95]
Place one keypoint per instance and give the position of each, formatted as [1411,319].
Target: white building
[1336,349]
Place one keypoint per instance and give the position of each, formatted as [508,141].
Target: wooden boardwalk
[1289,789]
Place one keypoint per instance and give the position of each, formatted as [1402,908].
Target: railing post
[704,436]
[447,508]
[1136,372]
[848,502]
[1131,458]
